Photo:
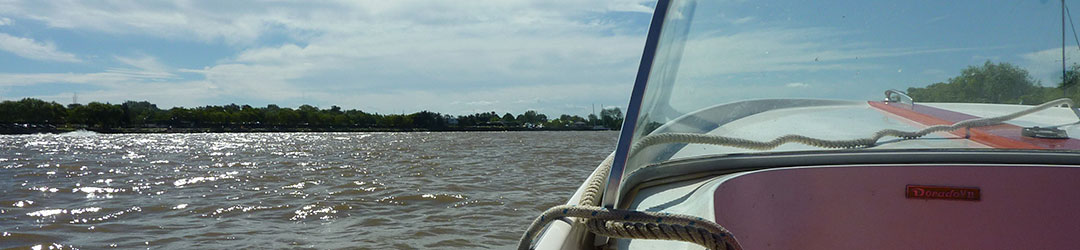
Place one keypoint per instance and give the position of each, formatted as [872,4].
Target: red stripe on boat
[998,136]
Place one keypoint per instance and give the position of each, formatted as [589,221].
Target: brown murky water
[287,190]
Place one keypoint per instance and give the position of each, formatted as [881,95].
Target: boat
[713,156]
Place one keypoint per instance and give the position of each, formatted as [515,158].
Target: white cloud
[5,21]
[785,49]
[30,49]
[396,58]
[145,79]
[630,6]
[1045,65]
[118,85]
[262,81]
[164,94]
[478,103]
[143,62]
[743,20]
[112,78]
[797,85]
[241,22]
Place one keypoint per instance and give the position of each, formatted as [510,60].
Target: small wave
[477,203]
[300,185]
[97,192]
[57,211]
[186,181]
[22,203]
[438,198]
[105,217]
[324,212]
[81,132]
[238,209]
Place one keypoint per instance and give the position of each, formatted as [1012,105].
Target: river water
[287,190]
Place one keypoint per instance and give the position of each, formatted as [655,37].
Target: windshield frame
[633,110]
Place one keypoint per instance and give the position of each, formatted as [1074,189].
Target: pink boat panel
[865,207]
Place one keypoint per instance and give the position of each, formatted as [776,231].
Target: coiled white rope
[618,223]
[822,143]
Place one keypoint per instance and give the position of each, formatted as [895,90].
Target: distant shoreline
[8,130]
[31,116]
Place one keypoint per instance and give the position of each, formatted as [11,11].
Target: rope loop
[618,223]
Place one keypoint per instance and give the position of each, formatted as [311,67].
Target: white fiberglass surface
[1049,117]
[828,122]
[979,58]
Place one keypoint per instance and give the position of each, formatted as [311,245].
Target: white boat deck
[843,122]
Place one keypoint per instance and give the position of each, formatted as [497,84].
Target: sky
[855,50]
[461,57]
[457,57]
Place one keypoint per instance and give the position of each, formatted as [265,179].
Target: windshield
[769,76]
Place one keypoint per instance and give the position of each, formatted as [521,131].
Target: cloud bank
[30,49]
[379,55]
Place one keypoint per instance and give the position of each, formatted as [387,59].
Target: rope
[822,143]
[617,223]
[591,196]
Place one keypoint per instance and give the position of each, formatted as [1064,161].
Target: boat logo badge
[943,193]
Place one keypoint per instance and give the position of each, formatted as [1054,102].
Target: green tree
[533,117]
[77,114]
[428,120]
[30,110]
[309,114]
[289,117]
[989,83]
[360,119]
[141,113]
[105,115]
[611,118]
[396,121]
[251,116]
[1069,85]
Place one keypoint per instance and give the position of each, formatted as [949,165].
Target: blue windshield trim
[626,135]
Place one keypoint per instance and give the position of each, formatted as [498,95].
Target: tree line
[998,83]
[142,114]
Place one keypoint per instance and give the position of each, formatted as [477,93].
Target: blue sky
[458,57]
[381,56]
[857,49]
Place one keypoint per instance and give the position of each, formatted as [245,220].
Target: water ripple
[286,190]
